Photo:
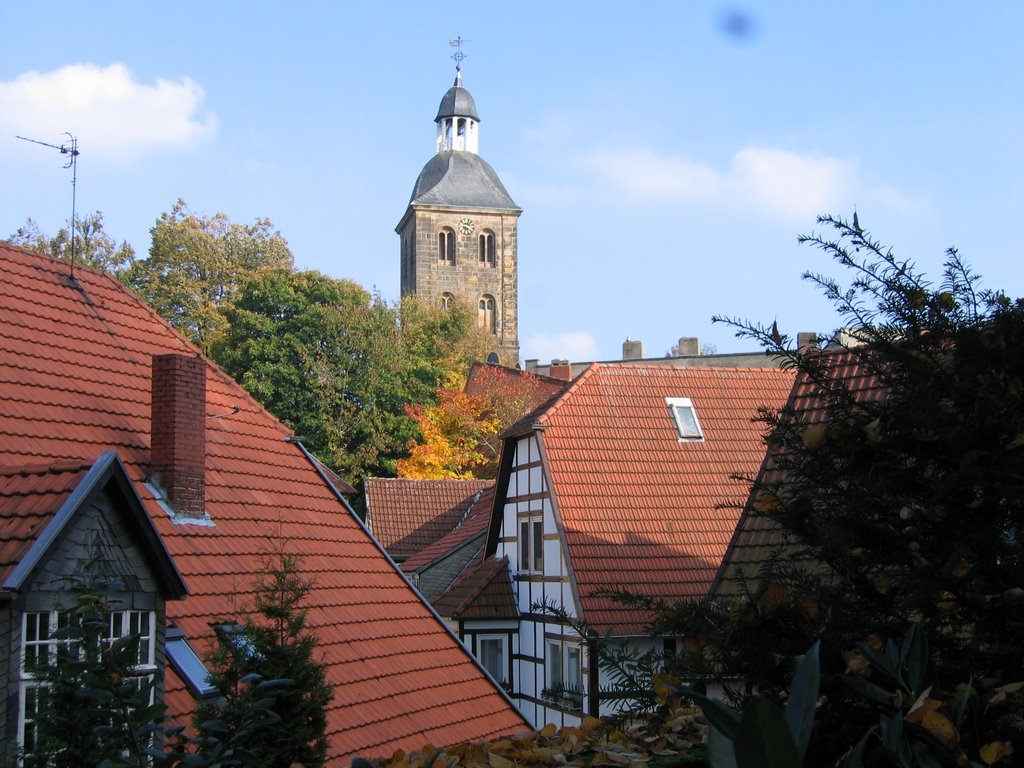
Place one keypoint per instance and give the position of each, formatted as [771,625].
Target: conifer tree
[276,644]
[900,482]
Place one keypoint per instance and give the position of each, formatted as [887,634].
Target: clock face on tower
[466,226]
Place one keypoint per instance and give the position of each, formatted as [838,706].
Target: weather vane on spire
[457,43]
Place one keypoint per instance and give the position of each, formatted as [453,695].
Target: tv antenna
[69,148]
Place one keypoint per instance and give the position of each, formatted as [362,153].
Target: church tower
[458,235]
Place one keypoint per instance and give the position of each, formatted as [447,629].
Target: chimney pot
[178,431]
[632,349]
[689,346]
[806,341]
[560,369]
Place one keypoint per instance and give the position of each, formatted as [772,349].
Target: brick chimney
[178,424]
[560,369]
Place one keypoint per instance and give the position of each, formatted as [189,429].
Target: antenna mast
[70,148]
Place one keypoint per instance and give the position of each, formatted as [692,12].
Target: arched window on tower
[446,246]
[487,248]
[447,300]
[486,317]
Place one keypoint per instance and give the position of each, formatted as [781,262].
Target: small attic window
[188,665]
[234,636]
[684,416]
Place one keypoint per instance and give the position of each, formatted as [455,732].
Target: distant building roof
[483,378]
[407,515]
[640,508]
[483,592]
[472,524]
[75,380]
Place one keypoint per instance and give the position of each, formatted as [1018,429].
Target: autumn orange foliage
[460,437]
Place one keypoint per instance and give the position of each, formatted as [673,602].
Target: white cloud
[794,185]
[106,108]
[643,173]
[773,181]
[576,346]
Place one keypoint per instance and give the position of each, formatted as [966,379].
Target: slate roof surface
[757,538]
[457,102]
[473,523]
[75,357]
[641,509]
[482,592]
[407,515]
[456,178]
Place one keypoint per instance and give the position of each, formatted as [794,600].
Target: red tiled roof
[485,378]
[408,515]
[483,591]
[473,524]
[641,510]
[29,498]
[757,538]
[75,357]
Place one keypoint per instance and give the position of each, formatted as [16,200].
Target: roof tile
[407,515]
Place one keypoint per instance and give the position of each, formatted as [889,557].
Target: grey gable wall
[97,542]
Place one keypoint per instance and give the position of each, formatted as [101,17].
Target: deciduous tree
[197,263]
[339,365]
[460,435]
[92,245]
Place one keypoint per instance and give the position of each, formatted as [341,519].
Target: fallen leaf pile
[595,743]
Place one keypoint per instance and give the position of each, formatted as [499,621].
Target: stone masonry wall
[425,275]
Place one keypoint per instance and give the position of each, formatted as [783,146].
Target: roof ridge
[574,385]
[543,412]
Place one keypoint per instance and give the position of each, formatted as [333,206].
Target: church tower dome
[458,124]
[459,232]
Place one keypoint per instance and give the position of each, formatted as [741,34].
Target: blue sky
[666,154]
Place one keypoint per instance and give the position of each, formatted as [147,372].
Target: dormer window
[684,416]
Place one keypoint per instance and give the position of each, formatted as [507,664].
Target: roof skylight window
[684,416]
[188,665]
[234,636]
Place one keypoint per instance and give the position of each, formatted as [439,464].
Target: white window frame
[679,407]
[531,543]
[563,668]
[502,640]
[121,623]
